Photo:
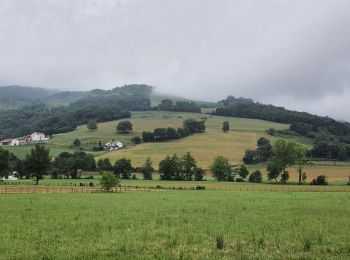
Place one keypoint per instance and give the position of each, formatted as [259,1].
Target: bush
[239,179]
[108,181]
[320,180]
[200,187]
[255,177]
[136,140]
[220,242]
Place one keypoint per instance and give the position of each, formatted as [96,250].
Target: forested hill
[330,135]
[52,120]
[133,97]
[17,96]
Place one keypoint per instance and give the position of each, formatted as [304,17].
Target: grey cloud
[294,53]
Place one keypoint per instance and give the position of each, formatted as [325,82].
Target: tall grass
[175,224]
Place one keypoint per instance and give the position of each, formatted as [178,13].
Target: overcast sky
[293,53]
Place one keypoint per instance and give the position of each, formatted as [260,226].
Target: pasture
[175,225]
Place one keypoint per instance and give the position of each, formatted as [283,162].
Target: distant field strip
[4,189]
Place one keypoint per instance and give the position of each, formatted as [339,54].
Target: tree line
[179,106]
[337,134]
[190,126]
[38,163]
[52,120]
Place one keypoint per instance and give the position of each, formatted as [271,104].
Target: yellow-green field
[204,147]
[243,135]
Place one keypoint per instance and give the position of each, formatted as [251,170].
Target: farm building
[9,142]
[39,137]
[113,145]
[9,178]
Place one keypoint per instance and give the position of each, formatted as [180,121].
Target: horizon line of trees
[190,126]
[38,163]
[53,120]
[179,106]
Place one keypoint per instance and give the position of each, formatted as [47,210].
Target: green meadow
[176,225]
[204,147]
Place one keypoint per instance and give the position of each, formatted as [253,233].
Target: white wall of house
[38,137]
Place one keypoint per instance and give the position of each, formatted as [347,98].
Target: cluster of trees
[124,127]
[286,154]
[70,165]
[179,106]
[190,126]
[261,154]
[222,170]
[302,123]
[52,120]
[37,163]
[134,102]
[123,168]
[180,169]
[327,147]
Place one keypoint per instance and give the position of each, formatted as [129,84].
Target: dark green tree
[301,159]
[124,127]
[123,168]
[284,156]
[221,169]
[189,167]
[92,125]
[38,162]
[226,126]
[136,140]
[243,171]
[5,166]
[170,168]
[76,143]
[104,165]
[273,169]
[147,169]
[198,174]
[250,156]
[160,134]
[255,177]
[167,105]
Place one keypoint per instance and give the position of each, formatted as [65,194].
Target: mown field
[175,225]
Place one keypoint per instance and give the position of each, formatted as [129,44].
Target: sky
[291,53]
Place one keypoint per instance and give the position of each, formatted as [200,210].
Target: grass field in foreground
[175,225]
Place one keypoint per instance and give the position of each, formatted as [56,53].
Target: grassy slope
[204,146]
[175,224]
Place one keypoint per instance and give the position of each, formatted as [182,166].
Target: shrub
[255,177]
[320,180]
[239,179]
[220,242]
[200,187]
[136,140]
[108,181]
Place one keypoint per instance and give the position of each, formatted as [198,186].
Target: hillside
[204,146]
[12,97]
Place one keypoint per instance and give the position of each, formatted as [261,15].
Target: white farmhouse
[10,178]
[39,137]
[113,145]
[9,142]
